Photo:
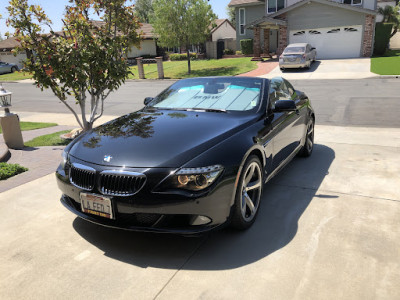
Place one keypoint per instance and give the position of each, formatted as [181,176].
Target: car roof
[297,45]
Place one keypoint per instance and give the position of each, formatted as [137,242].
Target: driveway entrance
[356,68]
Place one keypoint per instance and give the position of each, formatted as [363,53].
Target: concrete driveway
[328,228]
[357,68]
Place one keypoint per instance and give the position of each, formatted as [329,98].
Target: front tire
[307,149]
[248,194]
[13,69]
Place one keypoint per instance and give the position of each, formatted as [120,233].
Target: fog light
[200,220]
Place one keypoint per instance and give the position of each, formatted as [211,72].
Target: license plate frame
[97,205]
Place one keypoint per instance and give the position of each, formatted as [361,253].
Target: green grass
[15,76]
[177,69]
[10,170]
[211,67]
[33,125]
[52,139]
[388,64]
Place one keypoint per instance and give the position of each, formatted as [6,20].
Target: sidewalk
[40,161]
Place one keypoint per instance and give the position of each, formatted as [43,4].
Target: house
[222,30]
[6,46]
[147,46]
[337,29]
[222,36]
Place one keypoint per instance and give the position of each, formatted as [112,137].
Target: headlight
[64,159]
[192,179]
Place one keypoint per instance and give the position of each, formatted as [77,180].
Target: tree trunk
[394,31]
[188,58]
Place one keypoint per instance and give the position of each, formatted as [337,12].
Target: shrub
[382,37]
[239,53]
[247,46]
[9,170]
[228,52]
[182,56]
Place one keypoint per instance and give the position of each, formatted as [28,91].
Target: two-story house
[337,28]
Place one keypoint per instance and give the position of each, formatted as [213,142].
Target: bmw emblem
[107,158]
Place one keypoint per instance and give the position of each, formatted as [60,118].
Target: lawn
[177,69]
[388,64]
[210,67]
[52,139]
[15,76]
[33,125]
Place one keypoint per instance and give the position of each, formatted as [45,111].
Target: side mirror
[147,100]
[285,105]
[312,49]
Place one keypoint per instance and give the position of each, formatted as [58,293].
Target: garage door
[337,42]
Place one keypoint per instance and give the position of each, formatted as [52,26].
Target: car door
[3,68]
[287,126]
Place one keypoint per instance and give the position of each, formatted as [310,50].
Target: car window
[278,91]
[231,94]
[291,90]
[294,50]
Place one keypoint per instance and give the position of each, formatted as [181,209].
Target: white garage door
[337,42]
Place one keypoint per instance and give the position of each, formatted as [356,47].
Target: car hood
[157,138]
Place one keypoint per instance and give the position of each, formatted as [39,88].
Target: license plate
[96,205]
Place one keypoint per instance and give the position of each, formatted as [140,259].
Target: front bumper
[154,212]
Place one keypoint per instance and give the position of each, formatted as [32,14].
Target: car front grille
[82,176]
[122,183]
[110,183]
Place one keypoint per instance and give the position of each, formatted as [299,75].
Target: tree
[231,15]
[391,15]
[144,10]
[87,59]
[181,23]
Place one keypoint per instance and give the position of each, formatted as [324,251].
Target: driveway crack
[182,266]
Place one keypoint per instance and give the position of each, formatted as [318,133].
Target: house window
[336,30]
[300,33]
[275,5]
[350,29]
[242,21]
[314,32]
[353,2]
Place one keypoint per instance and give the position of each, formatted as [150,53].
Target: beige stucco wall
[395,41]
[379,18]
[225,31]
[147,47]
[8,57]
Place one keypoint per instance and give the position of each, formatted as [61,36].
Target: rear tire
[13,69]
[308,146]
[248,194]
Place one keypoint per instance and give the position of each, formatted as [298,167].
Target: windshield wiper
[208,109]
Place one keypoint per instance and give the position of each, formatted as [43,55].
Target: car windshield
[219,94]
[294,50]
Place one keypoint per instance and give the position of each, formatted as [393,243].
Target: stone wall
[367,46]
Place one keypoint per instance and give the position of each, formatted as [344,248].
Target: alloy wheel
[251,191]
[310,136]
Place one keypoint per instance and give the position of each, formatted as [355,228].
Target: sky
[55,9]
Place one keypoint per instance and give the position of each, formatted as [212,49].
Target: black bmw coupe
[194,158]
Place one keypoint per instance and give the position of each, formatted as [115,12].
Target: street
[328,226]
[361,102]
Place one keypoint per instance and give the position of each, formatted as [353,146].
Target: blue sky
[55,9]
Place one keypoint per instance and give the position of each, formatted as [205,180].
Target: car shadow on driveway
[314,66]
[285,199]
